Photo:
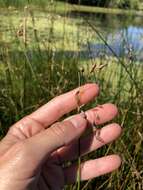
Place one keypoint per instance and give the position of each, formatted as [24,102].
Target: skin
[36,147]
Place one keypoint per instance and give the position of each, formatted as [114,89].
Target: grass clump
[42,55]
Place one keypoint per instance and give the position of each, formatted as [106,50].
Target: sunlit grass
[63,30]
[49,63]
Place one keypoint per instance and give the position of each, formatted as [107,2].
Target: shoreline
[91,9]
[61,7]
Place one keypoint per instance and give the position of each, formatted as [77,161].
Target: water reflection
[125,42]
[123,33]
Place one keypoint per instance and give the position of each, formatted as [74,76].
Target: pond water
[124,35]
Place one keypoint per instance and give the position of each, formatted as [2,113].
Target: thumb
[58,135]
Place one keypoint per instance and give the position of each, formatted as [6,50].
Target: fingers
[105,113]
[29,126]
[65,103]
[92,168]
[90,143]
[23,129]
[62,133]
[102,113]
[58,135]
[51,112]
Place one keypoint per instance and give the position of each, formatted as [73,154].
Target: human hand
[34,150]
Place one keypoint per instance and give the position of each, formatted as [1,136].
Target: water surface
[124,35]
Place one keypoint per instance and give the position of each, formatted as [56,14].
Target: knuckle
[60,132]
[12,129]
[25,128]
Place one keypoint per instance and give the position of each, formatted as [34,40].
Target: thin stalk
[25,47]
[79,157]
[112,51]
[78,110]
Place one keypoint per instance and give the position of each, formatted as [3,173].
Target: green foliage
[109,3]
[48,64]
[21,3]
[30,79]
[128,4]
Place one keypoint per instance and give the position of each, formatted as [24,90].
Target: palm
[51,177]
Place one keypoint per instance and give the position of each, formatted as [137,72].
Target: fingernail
[78,121]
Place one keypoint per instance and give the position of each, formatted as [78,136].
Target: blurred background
[48,47]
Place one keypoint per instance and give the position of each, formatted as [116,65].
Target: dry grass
[41,65]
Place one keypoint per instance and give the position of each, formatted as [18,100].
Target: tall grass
[17,3]
[48,61]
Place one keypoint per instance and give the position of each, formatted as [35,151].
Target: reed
[45,61]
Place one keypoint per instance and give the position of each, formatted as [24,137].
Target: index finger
[57,107]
